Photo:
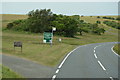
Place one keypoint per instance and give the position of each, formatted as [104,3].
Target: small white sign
[60,39]
[54,29]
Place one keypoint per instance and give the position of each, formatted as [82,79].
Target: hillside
[35,50]
[7,18]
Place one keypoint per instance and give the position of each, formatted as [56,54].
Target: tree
[39,20]
[70,27]
[66,26]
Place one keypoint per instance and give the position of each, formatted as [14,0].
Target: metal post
[52,37]
[14,48]
[21,49]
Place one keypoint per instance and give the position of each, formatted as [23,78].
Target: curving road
[89,62]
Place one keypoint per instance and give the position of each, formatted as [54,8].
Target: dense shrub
[98,22]
[109,18]
[9,25]
[112,24]
[43,20]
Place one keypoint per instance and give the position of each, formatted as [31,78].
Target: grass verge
[35,50]
[117,48]
[7,73]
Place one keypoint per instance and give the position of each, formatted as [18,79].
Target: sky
[60,0]
[66,8]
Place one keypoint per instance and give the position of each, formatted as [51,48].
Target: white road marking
[57,71]
[66,57]
[94,50]
[111,78]
[101,65]
[95,47]
[53,78]
[114,51]
[95,55]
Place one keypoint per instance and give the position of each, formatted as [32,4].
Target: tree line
[43,20]
[118,18]
[112,24]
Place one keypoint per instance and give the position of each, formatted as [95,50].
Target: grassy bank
[7,73]
[35,50]
[116,48]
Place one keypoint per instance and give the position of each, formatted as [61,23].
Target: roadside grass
[7,73]
[117,48]
[35,50]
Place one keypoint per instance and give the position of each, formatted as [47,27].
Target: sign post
[18,44]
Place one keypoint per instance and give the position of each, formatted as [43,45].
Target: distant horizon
[67,15]
[65,8]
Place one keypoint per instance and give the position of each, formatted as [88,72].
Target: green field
[7,73]
[116,48]
[35,50]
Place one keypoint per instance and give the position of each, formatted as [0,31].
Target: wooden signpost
[18,44]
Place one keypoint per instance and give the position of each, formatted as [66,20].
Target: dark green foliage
[65,25]
[93,28]
[98,22]
[98,30]
[98,16]
[43,20]
[112,24]
[118,18]
[76,17]
[39,20]
[81,21]
[9,25]
[109,18]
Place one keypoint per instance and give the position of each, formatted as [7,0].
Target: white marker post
[53,29]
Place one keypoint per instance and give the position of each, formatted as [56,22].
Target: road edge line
[67,57]
[114,51]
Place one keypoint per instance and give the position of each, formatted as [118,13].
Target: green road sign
[47,37]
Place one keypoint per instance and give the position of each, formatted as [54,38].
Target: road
[27,68]
[89,62]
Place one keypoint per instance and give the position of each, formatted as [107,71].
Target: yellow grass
[93,19]
[7,18]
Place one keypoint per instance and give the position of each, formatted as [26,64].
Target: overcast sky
[66,8]
[60,0]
